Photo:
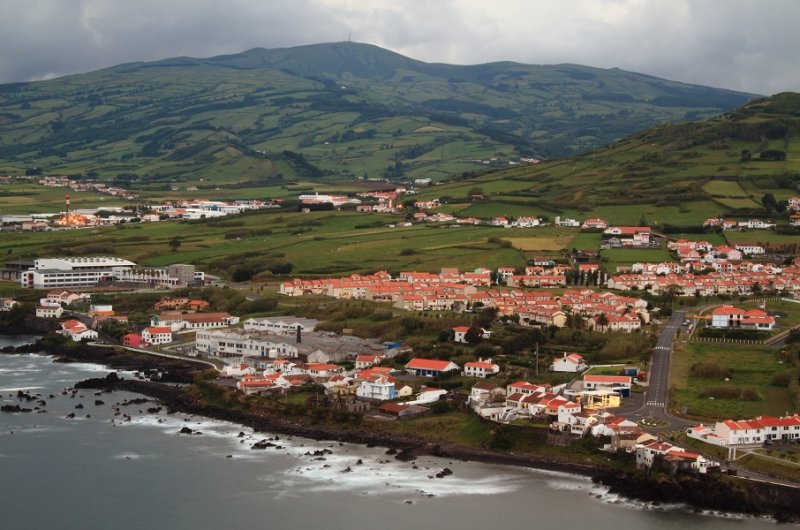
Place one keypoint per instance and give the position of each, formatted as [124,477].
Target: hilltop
[327,112]
[672,174]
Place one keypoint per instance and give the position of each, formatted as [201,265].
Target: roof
[607,379]
[418,363]
[158,330]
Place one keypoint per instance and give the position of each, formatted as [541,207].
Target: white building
[481,368]
[572,363]
[281,325]
[48,273]
[378,388]
[157,335]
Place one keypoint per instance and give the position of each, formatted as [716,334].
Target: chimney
[298,334]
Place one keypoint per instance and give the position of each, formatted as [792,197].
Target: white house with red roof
[377,387]
[430,367]
[594,224]
[728,316]
[754,431]
[673,456]
[157,335]
[77,330]
[572,363]
[481,368]
[365,361]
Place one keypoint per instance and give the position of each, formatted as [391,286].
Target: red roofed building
[430,367]
[133,340]
[481,368]
[157,335]
[572,363]
[77,330]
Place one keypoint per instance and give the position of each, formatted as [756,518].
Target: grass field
[762,237]
[586,241]
[749,367]
[624,257]
[725,188]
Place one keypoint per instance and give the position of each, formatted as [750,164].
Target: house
[157,335]
[594,224]
[77,330]
[430,367]
[378,388]
[728,316]
[7,304]
[614,382]
[572,363]
[365,361]
[488,400]
[400,411]
[460,334]
[133,340]
[481,368]
[49,311]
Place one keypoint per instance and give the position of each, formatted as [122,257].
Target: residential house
[77,330]
[572,363]
[133,340]
[430,367]
[378,388]
[157,335]
[481,368]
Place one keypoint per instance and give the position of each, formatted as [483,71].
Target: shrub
[710,370]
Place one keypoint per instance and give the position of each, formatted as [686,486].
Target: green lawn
[749,367]
[624,257]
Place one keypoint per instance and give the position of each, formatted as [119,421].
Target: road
[656,396]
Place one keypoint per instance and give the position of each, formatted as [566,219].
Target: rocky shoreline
[701,492]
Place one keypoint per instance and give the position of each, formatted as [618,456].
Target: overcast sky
[747,45]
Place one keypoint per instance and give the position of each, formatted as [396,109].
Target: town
[572,398]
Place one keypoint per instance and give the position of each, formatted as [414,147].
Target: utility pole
[537,360]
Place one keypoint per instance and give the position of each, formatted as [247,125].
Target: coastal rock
[14,408]
[263,444]
[185,430]
[446,472]
[70,416]
[405,455]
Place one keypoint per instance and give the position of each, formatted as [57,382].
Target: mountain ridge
[352,110]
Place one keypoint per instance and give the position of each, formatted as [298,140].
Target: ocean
[132,470]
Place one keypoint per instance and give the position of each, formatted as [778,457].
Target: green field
[624,257]
[748,367]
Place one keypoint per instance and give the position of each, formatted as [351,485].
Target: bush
[731,392]
[710,370]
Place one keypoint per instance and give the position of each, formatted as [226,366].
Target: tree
[175,243]
[769,203]
[473,335]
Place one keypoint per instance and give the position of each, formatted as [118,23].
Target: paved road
[657,393]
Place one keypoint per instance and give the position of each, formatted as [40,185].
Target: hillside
[349,110]
[673,174]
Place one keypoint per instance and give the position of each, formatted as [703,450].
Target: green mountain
[673,174]
[334,112]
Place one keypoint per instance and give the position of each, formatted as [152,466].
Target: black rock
[185,430]
[99,402]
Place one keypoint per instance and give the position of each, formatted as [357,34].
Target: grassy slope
[351,109]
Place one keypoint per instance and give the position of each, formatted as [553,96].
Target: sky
[746,45]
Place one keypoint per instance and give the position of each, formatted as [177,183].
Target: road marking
[656,403]
[662,347]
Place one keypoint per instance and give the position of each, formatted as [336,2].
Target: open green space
[625,257]
[723,381]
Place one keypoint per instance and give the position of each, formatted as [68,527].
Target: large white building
[238,343]
[282,325]
[50,273]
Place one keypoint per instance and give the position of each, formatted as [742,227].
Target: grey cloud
[736,44]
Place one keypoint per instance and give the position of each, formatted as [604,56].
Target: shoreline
[697,492]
